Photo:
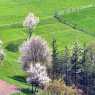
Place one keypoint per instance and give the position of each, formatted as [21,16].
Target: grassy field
[83,19]
[12,13]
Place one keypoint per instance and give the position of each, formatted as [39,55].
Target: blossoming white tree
[30,23]
[38,75]
[35,57]
[1,52]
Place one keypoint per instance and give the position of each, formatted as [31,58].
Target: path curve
[6,88]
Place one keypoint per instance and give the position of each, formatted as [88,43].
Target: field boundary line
[73,10]
[75,27]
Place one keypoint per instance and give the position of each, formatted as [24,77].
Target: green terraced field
[12,13]
[83,20]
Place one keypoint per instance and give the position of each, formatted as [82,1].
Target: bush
[58,87]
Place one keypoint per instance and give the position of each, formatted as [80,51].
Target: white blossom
[35,50]
[1,52]
[31,21]
[35,57]
[1,43]
[38,74]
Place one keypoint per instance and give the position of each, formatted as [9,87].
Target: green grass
[84,19]
[12,13]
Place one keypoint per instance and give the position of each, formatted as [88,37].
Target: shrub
[58,87]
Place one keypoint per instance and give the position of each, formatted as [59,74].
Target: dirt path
[6,88]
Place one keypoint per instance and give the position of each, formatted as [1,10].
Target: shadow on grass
[28,91]
[19,78]
[32,90]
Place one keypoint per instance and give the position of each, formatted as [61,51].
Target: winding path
[6,88]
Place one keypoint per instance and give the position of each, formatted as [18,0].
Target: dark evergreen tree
[66,66]
[54,58]
[57,61]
